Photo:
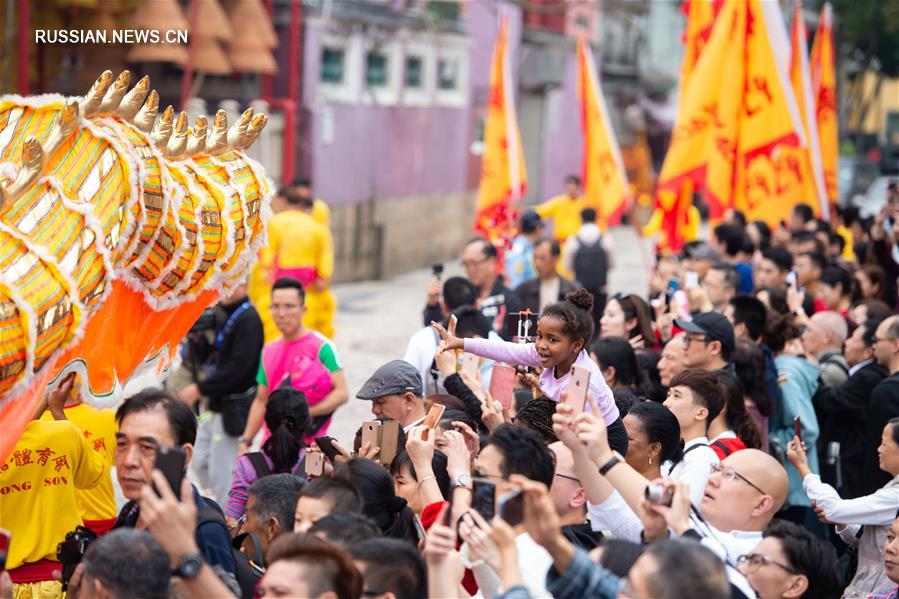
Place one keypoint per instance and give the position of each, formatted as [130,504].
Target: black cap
[714,324]
[393,378]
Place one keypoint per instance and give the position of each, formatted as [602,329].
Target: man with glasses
[570,500]
[305,357]
[709,343]
[890,563]
[495,300]
[790,562]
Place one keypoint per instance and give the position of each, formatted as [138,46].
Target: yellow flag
[813,175]
[704,138]
[605,182]
[503,177]
[824,90]
[769,176]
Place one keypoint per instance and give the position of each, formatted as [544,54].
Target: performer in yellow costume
[565,209]
[300,245]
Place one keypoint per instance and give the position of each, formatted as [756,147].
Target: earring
[650,460]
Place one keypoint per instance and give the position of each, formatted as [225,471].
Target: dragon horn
[144,118]
[32,166]
[256,126]
[114,95]
[196,142]
[134,99]
[65,126]
[163,129]
[178,142]
[239,129]
[90,104]
[218,136]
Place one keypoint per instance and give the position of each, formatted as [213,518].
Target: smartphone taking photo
[170,461]
[483,498]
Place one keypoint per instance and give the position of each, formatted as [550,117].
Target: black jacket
[884,406]
[529,292]
[495,307]
[844,412]
[237,360]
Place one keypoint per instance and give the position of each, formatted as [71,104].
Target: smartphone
[371,433]
[578,387]
[691,279]
[511,507]
[470,364]
[483,498]
[5,538]
[791,278]
[502,384]
[451,326]
[170,461]
[419,528]
[437,270]
[388,440]
[315,464]
[434,415]
[324,443]
[797,425]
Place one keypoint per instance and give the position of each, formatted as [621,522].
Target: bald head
[831,323]
[749,499]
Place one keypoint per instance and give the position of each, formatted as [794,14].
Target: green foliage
[869,29]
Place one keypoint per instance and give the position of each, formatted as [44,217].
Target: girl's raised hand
[448,340]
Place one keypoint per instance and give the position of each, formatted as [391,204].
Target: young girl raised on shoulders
[563,331]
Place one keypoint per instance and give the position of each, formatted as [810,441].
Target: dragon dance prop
[118,227]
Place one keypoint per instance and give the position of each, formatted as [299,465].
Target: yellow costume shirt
[99,428]
[321,213]
[566,214]
[38,483]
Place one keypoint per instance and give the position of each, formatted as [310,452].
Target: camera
[437,270]
[658,494]
[71,551]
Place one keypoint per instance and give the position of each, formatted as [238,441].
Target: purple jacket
[525,354]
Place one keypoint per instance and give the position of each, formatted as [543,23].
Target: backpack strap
[722,446]
[258,462]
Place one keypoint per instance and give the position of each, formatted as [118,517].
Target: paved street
[376,318]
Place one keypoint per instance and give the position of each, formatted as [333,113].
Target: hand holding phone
[797,426]
[434,416]
[315,463]
[324,443]
[470,364]
[511,507]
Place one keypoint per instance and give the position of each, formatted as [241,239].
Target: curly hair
[537,415]
[574,312]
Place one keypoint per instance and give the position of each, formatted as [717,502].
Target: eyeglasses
[688,340]
[730,474]
[473,263]
[577,480]
[626,589]
[754,561]
[879,339]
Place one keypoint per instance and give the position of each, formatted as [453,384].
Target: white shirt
[533,562]
[859,366]
[412,425]
[615,516]
[877,509]
[729,546]
[549,291]
[695,468]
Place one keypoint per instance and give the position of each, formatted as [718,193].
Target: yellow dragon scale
[110,212]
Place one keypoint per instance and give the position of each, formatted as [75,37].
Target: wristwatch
[189,566]
[609,465]
[463,480]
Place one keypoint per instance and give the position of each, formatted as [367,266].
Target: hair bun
[581,298]
[397,505]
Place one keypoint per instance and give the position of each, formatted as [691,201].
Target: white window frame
[424,95]
[458,97]
[389,94]
[348,91]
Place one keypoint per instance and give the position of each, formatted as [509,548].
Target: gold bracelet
[422,481]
